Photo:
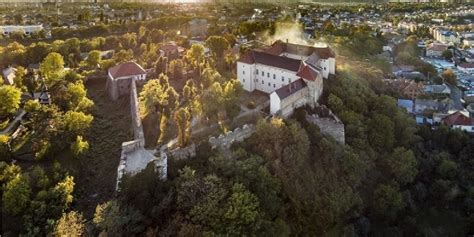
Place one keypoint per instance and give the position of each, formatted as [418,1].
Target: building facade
[119,78]
[291,74]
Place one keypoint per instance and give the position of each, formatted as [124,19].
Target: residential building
[119,78]
[407,88]
[437,89]
[26,29]
[466,67]
[291,74]
[436,50]
[171,51]
[458,120]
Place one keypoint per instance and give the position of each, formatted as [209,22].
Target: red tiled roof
[466,65]
[307,73]
[458,119]
[169,47]
[126,69]
[437,47]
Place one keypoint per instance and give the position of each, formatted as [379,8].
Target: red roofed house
[466,67]
[120,76]
[436,50]
[458,120]
[292,74]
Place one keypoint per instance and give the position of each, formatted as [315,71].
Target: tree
[93,59]
[450,77]
[16,194]
[161,65]
[195,56]
[402,165]
[217,45]
[176,68]
[213,100]
[10,101]
[381,132]
[79,146]
[242,211]
[77,122]
[52,68]
[20,75]
[75,97]
[70,224]
[447,54]
[388,201]
[335,103]
[182,118]
[152,95]
[231,92]
[5,152]
[64,190]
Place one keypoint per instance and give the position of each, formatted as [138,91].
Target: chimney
[287,40]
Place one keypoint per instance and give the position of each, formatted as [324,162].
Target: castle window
[268,74]
[274,76]
[263,73]
[274,85]
[243,72]
[324,68]
[256,72]
[263,82]
[282,78]
[243,80]
[269,84]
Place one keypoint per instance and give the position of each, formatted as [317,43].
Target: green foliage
[182,118]
[402,165]
[77,122]
[217,45]
[70,224]
[388,201]
[93,59]
[16,194]
[10,100]
[5,152]
[52,68]
[79,146]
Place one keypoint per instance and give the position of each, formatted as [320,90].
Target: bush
[251,105]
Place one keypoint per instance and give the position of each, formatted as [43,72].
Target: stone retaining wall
[238,135]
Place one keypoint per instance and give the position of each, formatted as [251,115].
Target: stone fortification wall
[238,135]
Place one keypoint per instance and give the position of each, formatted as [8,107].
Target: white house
[466,67]
[292,74]
[120,76]
[458,120]
[26,29]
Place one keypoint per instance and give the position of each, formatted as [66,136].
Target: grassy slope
[95,174]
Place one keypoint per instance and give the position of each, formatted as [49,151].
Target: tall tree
[183,119]
[217,45]
[10,101]
[195,56]
[52,68]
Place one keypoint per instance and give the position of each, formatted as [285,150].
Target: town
[236,118]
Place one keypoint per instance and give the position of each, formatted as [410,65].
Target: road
[10,126]
[456,96]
